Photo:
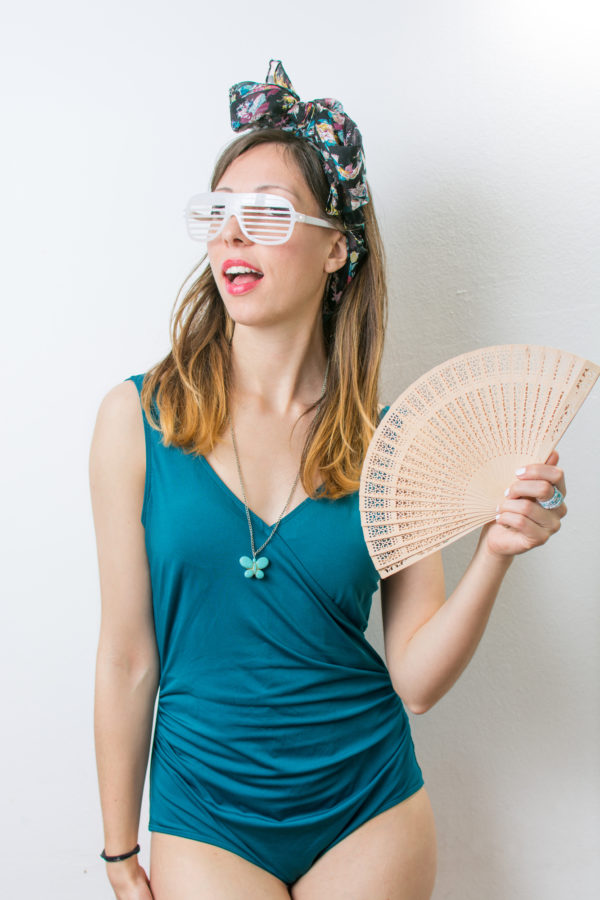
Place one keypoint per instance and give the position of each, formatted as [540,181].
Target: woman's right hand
[129,880]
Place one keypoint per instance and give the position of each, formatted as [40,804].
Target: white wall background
[481,129]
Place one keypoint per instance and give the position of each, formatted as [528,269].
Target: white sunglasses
[263,218]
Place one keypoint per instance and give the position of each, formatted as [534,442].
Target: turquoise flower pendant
[254,566]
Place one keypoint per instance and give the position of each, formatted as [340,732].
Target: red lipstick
[240,276]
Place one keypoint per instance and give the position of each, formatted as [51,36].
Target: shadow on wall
[457,262]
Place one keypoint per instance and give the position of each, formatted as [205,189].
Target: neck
[277,373]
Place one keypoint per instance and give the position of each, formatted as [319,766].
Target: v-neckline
[240,503]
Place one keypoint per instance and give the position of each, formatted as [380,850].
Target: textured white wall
[482,136]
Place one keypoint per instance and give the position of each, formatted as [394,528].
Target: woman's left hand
[521,522]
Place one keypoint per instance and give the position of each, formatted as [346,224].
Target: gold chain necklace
[254,566]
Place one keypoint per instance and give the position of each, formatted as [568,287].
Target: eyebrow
[263,187]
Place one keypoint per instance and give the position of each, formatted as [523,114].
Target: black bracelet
[135,850]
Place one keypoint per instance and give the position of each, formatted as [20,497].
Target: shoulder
[118,438]
[120,407]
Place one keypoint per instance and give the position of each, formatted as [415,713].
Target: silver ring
[555,500]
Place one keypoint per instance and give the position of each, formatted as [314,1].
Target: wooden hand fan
[441,458]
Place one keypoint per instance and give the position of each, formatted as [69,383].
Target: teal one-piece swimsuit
[278,731]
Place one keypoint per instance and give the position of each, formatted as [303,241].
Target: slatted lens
[204,220]
[266,224]
[261,220]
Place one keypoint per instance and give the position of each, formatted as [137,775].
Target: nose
[232,232]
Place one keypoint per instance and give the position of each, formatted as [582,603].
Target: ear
[338,254]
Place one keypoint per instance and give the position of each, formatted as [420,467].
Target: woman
[282,762]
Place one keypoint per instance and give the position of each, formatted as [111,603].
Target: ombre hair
[190,388]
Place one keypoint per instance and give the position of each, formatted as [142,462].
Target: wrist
[119,857]
[500,561]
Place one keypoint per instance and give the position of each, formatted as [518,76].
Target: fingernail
[506,492]
[498,508]
[519,471]
[497,517]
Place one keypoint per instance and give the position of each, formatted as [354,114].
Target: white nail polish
[506,492]
[520,471]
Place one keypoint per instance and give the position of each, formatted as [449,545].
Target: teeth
[241,270]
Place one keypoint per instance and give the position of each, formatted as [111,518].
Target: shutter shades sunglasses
[263,218]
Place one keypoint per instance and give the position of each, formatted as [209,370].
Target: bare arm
[127,665]
[425,666]
[429,641]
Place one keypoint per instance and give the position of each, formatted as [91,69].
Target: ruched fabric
[278,731]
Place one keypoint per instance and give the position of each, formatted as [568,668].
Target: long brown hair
[191,385]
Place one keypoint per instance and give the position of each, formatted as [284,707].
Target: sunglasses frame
[234,204]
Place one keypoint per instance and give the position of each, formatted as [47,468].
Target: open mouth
[242,274]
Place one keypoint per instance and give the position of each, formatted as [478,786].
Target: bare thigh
[391,857]
[183,869]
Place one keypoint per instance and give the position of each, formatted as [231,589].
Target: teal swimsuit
[278,731]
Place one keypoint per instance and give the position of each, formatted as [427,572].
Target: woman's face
[290,277]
